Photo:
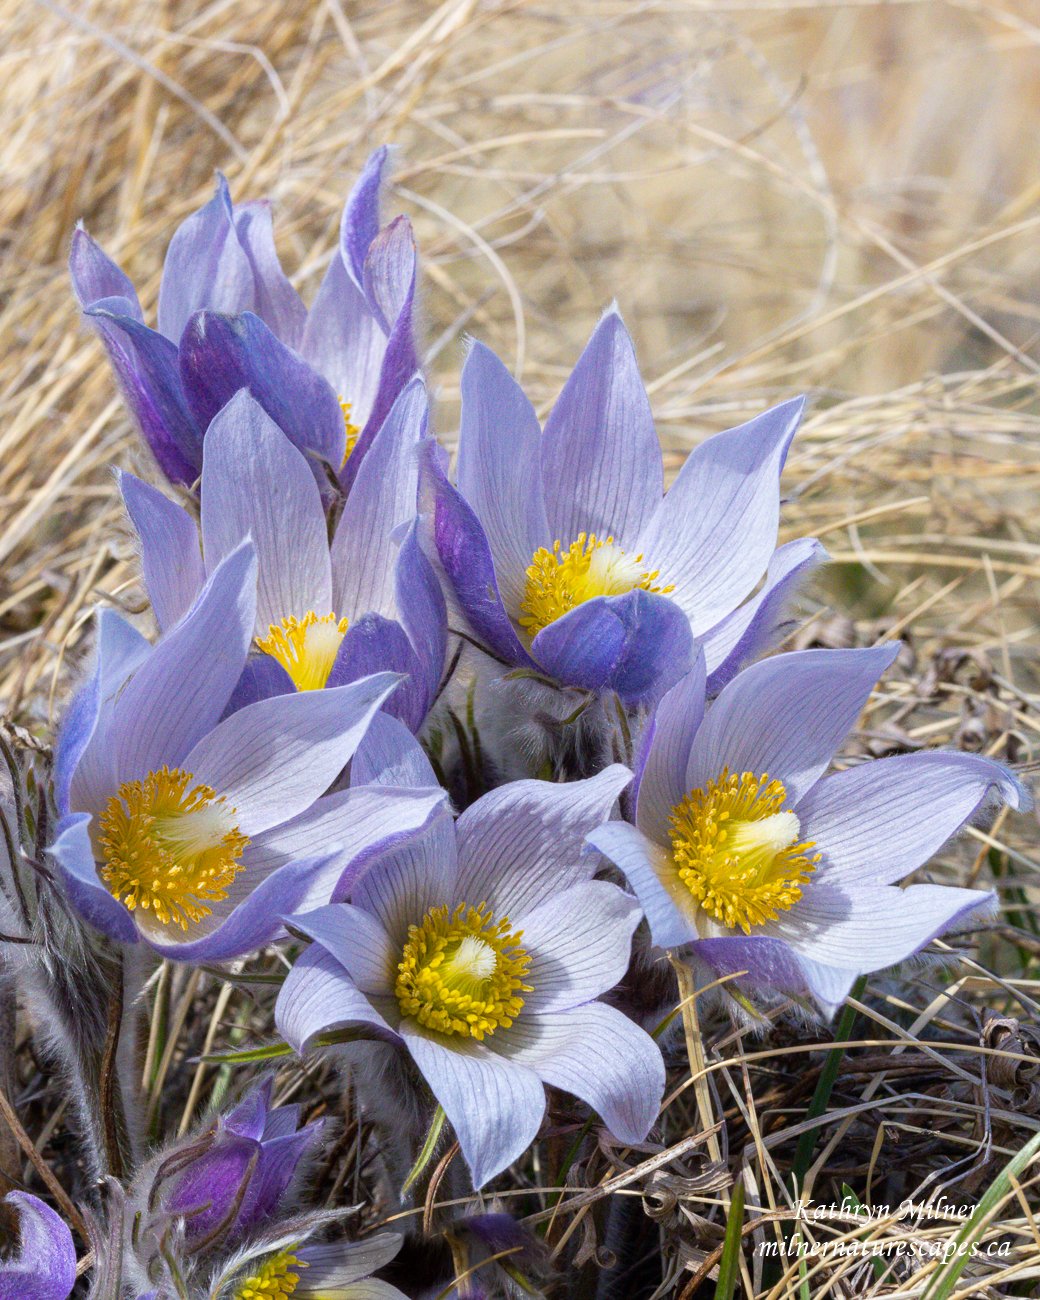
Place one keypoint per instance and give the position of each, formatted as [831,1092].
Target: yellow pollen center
[306,647]
[462,972]
[353,431]
[274,1281]
[737,851]
[559,580]
[168,844]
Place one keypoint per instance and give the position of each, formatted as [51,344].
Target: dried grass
[835,198]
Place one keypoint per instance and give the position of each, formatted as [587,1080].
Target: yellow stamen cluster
[559,580]
[167,844]
[306,647]
[737,849]
[462,972]
[353,431]
[274,1281]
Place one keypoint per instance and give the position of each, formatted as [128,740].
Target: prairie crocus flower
[342,1270]
[228,318]
[481,951]
[746,850]
[44,1265]
[325,615]
[196,834]
[236,1176]
[566,557]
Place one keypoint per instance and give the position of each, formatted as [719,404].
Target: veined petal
[276,302]
[389,271]
[787,716]
[651,872]
[599,1055]
[375,644]
[384,495]
[219,354]
[522,843]
[273,759]
[146,368]
[579,943]
[714,532]
[45,1266]
[171,557]
[318,995]
[638,645]
[761,622]
[333,1266]
[424,616]
[390,755]
[180,690]
[494,1105]
[876,823]
[344,341]
[205,266]
[465,556]
[661,776]
[868,927]
[768,963]
[360,221]
[601,461]
[96,277]
[499,469]
[256,484]
[357,941]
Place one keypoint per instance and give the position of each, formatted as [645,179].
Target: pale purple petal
[499,470]
[650,870]
[423,614]
[765,963]
[876,823]
[384,495]
[256,484]
[359,224]
[759,624]
[221,354]
[340,1263]
[661,776]
[714,532]
[45,1266]
[599,1055]
[866,928]
[390,755]
[344,341]
[171,557]
[787,716]
[319,995]
[95,277]
[601,461]
[389,271]
[357,941]
[273,759]
[579,942]
[205,266]
[637,645]
[465,557]
[276,302]
[522,843]
[180,691]
[146,367]
[494,1105]
[74,854]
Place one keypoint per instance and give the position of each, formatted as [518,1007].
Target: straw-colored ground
[833,198]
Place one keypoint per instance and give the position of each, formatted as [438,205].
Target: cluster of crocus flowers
[260,771]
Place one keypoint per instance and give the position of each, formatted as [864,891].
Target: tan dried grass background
[839,198]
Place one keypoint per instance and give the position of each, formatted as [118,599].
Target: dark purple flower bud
[44,1265]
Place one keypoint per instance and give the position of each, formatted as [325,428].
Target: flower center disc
[462,973]
[306,647]
[168,844]
[737,849]
[274,1281]
[559,580]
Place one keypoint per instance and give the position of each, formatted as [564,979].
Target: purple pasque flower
[339,1270]
[481,950]
[567,558]
[325,614]
[228,318]
[236,1176]
[195,833]
[44,1265]
[746,850]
